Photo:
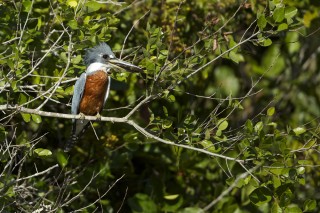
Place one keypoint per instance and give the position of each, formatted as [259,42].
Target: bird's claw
[82,116]
[98,117]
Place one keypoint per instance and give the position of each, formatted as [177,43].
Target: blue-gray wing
[108,90]
[78,93]
[78,126]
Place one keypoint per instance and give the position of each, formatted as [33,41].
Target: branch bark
[116,120]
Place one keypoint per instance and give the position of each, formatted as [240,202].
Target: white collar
[97,66]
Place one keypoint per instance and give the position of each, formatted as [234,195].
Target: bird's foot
[82,116]
[98,116]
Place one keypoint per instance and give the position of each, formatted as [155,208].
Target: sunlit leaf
[171,197]
[267,42]
[26,117]
[276,208]
[271,111]
[93,6]
[223,124]
[42,152]
[299,130]
[73,24]
[166,124]
[76,60]
[309,205]
[27,5]
[36,118]
[293,209]
[282,27]
[290,12]
[72,3]
[258,127]
[278,14]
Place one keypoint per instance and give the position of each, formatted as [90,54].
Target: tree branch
[116,120]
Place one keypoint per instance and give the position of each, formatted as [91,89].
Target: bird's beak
[124,65]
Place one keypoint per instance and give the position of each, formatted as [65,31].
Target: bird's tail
[78,128]
[71,142]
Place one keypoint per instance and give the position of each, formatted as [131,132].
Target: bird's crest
[95,54]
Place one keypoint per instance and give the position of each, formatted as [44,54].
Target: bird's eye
[106,57]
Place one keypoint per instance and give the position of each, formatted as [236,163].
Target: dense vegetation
[224,118]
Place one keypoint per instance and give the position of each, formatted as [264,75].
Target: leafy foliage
[225,117]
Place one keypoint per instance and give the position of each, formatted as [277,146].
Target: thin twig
[228,190]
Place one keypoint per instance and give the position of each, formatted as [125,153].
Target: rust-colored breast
[94,93]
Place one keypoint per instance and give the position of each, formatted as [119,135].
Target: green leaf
[72,3]
[271,111]
[142,203]
[165,111]
[266,42]
[273,124]
[282,27]
[309,205]
[262,22]
[286,195]
[278,14]
[293,209]
[207,145]
[61,158]
[301,170]
[76,60]
[290,12]
[166,124]
[171,197]
[236,57]
[171,98]
[223,124]
[249,126]
[69,90]
[22,98]
[93,6]
[23,139]
[42,152]
[260,196]
[276,208]
[310,144]
[276,168]
[172,205]
[299,130]
[258,127]
[305,162]
[26,117]
[73,24]
[27,5]
[64,57]
[36,118]
[225,77]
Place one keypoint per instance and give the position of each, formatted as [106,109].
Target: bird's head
[102,55]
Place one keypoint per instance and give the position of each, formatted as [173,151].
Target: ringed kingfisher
[92,88]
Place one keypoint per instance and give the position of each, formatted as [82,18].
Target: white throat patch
[97,66]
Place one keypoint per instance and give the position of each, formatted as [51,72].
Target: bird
[92,89]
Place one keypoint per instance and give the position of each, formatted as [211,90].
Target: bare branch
[38,173]
[116,120]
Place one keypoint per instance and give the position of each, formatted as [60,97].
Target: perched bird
[92,88]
